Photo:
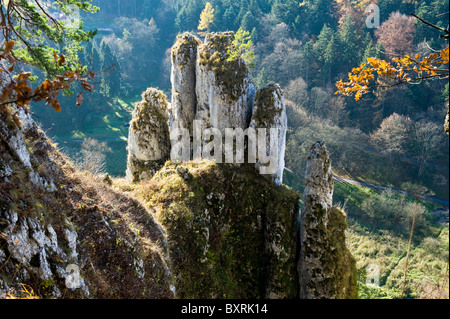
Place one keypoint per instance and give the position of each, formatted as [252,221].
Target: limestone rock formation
[224,90]
[217,93]
[326,267]
[231,232]
[207,231]
[64,235]
[183,78]
[148,137]
[269,112]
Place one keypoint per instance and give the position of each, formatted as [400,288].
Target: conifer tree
[31,36]
[206,18]
[242,48]
[349,43]
[326,51]
[110,71]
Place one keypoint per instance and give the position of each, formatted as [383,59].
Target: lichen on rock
[223,88]
[148,137]
[231,233]
[184,100]
[269,112]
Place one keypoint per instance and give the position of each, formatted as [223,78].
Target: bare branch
[445,36]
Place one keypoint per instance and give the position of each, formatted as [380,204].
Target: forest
[389,149]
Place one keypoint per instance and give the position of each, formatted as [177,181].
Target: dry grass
[116,233]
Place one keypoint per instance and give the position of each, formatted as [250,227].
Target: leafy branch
[30,35]
[402,70]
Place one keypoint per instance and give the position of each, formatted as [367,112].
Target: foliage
[242,48]
[396,34]
[93,155]
[111,70]
[132,46]
[290,49]
[18,90]
[393,133]
[393,212]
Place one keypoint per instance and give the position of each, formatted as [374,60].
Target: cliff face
[65,235]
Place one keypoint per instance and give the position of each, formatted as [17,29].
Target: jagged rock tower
[215,92]
[184,98]
[218,94]
[326,267]
[270,112]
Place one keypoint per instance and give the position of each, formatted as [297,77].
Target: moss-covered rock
[326,267]
[269,106]
[148,137]
[269,112]
[231,232]
[230,75]
[223,88]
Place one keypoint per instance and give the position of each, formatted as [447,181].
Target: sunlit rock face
[224,90]
[326,267]
[218,93]
[209,91]
[148,137]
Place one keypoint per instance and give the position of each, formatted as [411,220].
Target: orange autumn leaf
[8,47]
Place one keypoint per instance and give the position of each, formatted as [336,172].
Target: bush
[93,155]
[391,211]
